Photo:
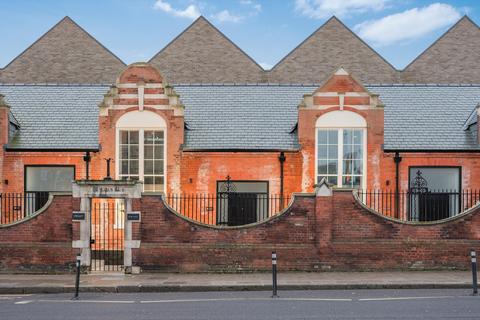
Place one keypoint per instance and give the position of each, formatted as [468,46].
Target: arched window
[341,141]
[141,149]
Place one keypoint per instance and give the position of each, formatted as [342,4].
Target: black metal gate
[107,234]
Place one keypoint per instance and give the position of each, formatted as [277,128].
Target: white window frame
[141,121]
[340,121]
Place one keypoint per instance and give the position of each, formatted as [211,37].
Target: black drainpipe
[282,159]
[87,159]
[397,159]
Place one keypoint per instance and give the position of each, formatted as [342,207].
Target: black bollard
[473,256]
[274,274]
[77,280]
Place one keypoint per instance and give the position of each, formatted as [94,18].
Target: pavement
[196,282]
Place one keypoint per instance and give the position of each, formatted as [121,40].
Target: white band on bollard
[474,260]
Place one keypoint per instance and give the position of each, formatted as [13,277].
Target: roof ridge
[202,18]
[463,18]
[246,84]
[332,18]
[66,18]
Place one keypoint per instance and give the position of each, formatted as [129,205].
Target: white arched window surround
[140,122]
[341,149]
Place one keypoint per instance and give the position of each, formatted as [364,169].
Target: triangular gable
[453,58]
[330,46]
[64,54]
[342,89]
[202,54]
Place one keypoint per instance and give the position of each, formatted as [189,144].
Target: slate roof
[241,116]
[245,117]
[426,117]
[54,116]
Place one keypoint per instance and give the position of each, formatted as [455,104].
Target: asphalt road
[328,304]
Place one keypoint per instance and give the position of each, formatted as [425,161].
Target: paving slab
[165,282]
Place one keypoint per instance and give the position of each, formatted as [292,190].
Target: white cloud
[408,25]
[319,9]
[190,12]
[265,65]
[256,7]
[226,16]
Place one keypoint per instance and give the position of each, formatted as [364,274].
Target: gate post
[130,218]
[83,217]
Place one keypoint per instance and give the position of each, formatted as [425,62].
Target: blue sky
[266,30]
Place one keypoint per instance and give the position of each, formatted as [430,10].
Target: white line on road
[89,301]
[24,302]
[242,299]
[404,298]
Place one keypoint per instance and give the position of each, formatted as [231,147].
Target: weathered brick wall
[316,233]
[170,243]
[43,243]
[362,240]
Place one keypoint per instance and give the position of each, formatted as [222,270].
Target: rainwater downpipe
[281,159]
[397,159]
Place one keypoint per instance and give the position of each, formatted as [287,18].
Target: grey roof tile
[245,116]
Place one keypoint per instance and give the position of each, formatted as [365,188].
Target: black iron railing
[18,206]
[228,208]
[428,205]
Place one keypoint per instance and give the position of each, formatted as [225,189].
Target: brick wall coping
[39,211]
[246,226]
[413,223]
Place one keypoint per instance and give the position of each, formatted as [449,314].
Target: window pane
[322,167]
[133,152]
[148,137]
[357,152]
[158,167]
[347,151]
[124,152]
[357,137]
[347,136]
[133,137]
[322,152]
[332,137]
[159,182]
[159,152]
[158,137]
[357,167]
[53,179]
[148,152]
[133,166]
[332,180]
[124,137]
[332,151]
[124,167]
[148,184]
[322,136]
[348,167]
[332,167]
[148,166]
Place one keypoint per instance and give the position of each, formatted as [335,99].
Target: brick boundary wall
[360,239]
[172,243]
[329,233]
[42,244]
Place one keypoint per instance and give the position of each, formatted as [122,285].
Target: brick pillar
[4,126]
[324,222]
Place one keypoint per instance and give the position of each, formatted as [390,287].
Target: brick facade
[316,233]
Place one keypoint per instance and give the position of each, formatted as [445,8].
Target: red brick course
[43,243]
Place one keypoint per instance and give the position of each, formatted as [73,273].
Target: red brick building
[370,127]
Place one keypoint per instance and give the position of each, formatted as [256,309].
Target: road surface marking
[24,302]
[241,299]
[404,298]
[89,301]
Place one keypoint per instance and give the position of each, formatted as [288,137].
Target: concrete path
[163,282]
